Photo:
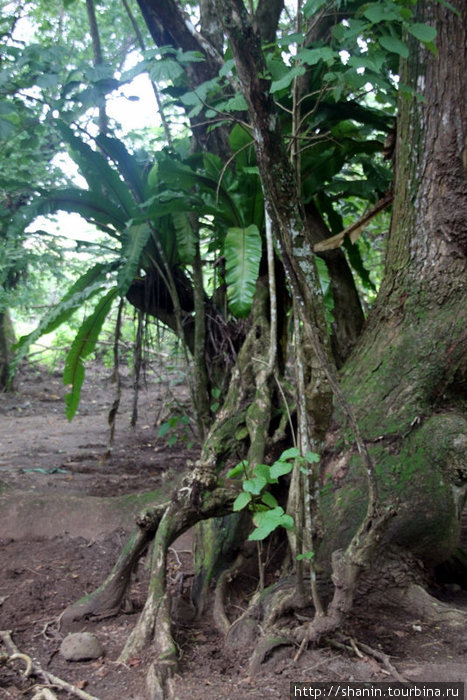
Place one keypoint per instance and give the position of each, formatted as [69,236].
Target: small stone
[81,646]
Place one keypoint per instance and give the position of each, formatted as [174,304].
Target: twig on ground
[34,668]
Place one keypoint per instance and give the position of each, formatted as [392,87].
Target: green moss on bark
[424,476]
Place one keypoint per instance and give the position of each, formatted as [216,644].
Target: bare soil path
[66,507]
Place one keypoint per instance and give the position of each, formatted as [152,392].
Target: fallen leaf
[134,662]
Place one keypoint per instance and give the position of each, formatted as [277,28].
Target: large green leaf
[177,175]
[101,177]
[394,45]
[186,240]
[127,164]
[83,289]
[83,344]
[136,239]
[90,205]
[242,250]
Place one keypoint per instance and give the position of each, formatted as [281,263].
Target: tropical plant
[215,236]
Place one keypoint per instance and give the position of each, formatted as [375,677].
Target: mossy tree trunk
[7,338]
[407,378]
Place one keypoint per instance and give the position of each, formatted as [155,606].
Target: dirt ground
[66,506]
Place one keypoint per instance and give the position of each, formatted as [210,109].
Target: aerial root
[33,668]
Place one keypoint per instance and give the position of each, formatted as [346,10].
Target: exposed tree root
[347,567]
[221,620]
[356,646]
[264,648]
[107,600]
[416,600]
[192,503]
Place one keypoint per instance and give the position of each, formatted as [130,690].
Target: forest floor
[66,507]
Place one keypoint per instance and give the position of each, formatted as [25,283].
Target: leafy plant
[268,514]
[176,429]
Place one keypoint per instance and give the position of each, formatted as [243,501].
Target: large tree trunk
[408,376]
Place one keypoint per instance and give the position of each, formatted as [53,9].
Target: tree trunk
[7,338]
[408,376]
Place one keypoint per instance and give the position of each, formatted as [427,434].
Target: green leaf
[47,80]
[382,12]
[311,7]
[255,485]
[7,129]
[290,453]
[241,433]
[165,69]
[308,556]
[267,521]
[394,45]
[164,428]
[313,56]
[126,163]
[240,139]
[136,240]
[264,471]
[186,239]
[234,104]
[423,32]
[280,468]
[242,250]
[102,179]
[287,79]
[312,457]
[91,206]
[83,344]
[238,470]
[268,499]
[83,289]
[450,6]
[242,500]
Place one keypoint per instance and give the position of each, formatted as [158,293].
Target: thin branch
[97,51]
[355,229]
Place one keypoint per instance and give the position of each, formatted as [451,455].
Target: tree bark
[408,376]
[7,338]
